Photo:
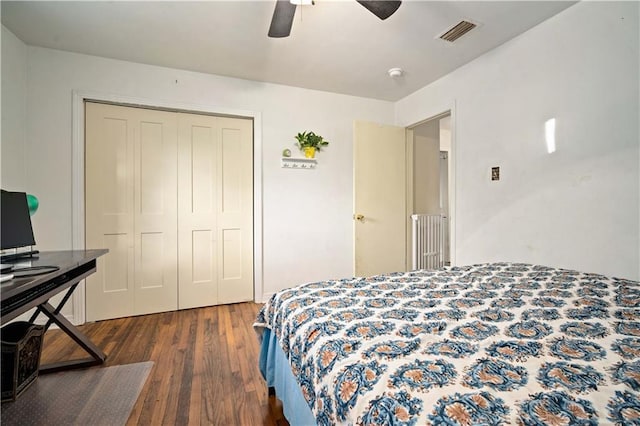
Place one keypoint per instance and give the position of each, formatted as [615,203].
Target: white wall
[579,206]
[426,168]
[445,133]
[576,208]
[307,214]
[14,107]
[15,174]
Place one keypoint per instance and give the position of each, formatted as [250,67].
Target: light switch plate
[495,173]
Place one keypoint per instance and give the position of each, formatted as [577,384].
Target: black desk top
[65,260]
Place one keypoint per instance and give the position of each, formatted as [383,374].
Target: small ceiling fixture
[395,72]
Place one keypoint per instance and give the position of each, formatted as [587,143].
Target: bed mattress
[499,343]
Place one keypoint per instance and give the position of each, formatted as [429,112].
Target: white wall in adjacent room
[426,168]
[14,107]
[307,214]
[577,207]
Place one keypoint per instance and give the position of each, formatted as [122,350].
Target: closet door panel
[232,170]
[231,254]
[131,209]
[156,278]
[235,217]
[203,149]
[203,264]
[198,164]
[109,210]
[152,168]
[117,265]
[151,270]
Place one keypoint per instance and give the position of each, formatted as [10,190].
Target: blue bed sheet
[276,370]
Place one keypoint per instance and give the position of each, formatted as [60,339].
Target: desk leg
[97,356]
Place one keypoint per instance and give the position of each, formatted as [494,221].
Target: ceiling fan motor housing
[285,10]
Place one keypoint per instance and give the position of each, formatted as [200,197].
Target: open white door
[380,198]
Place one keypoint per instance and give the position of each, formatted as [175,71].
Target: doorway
[398,172]
[431,181]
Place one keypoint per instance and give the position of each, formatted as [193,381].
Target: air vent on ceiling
[457,31]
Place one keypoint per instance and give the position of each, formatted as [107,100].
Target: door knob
[359,217]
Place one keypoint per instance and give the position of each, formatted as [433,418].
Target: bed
[496,343]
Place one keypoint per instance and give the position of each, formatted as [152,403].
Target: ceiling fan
[285,10]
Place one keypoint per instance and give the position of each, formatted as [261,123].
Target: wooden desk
[19,295]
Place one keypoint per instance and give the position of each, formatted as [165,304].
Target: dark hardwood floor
[205,365]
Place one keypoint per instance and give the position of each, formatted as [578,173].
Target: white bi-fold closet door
[170,195]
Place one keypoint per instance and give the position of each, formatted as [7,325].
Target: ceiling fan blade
[282,19]
[381,8]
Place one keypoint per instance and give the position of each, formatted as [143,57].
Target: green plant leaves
[310,139]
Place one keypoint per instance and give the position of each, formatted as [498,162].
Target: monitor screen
[16,228]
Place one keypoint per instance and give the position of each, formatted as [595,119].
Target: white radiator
[429,233]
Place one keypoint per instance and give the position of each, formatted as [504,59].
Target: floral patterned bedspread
[489,344]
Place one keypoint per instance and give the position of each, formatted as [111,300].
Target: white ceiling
[335,46]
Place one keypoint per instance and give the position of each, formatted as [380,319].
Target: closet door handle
[359,217]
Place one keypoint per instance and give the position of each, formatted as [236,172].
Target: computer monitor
[16,230]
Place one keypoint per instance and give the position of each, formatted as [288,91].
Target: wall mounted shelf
[299,163]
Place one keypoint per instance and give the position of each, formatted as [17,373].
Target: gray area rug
[95,396]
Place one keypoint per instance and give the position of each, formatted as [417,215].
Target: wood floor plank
[195,396]
[205,365]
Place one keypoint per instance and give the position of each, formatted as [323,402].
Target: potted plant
[309,142]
